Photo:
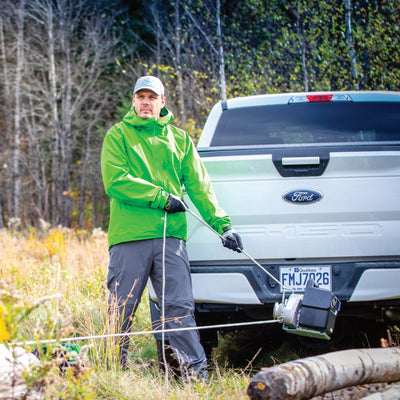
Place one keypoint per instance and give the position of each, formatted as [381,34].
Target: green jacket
[142,161]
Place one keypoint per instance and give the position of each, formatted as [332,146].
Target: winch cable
[151,332]
[284,289]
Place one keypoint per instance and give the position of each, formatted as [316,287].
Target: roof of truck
[289,98]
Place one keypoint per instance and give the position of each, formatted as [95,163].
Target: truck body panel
[317,195]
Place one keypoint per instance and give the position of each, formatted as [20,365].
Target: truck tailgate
[356,212]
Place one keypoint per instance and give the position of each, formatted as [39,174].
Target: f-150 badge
[302,196]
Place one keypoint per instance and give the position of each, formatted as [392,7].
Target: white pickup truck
[312,184]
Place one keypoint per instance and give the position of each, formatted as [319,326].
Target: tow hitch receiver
[311,314]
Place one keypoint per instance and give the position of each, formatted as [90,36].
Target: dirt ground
[364,391]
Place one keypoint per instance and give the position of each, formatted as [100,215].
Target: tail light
[319,98]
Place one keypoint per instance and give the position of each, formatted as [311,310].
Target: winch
[310,314]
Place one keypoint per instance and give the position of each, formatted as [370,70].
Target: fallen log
[309,377]
[393,393]
[14,361]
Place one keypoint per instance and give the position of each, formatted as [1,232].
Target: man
[145,161]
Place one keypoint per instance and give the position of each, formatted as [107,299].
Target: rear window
[309,123]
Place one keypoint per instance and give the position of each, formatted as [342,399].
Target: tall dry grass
[59,275]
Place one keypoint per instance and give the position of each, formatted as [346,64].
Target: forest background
[68,67]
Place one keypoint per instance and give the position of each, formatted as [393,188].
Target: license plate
[296,277]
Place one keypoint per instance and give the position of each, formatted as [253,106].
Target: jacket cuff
[226,228]
[160,200]
[222,227]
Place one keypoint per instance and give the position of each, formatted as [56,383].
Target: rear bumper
[249,285]
[377,284]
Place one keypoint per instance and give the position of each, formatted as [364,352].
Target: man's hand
[175,204]
[232,240]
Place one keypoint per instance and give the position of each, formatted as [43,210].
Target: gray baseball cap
[151,83]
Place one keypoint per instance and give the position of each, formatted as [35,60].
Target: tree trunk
[221,53]
[16,139]
[66,115]
[305,378]
[303,49]
[178,67]
[84,172]
[218,51]
[7,115]
[55,123]
[66,147]
[34,163]
[349,42]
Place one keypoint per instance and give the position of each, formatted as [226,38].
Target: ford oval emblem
[302,196]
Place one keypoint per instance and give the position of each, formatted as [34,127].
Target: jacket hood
[164,119]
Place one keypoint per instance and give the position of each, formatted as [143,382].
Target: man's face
[147,104]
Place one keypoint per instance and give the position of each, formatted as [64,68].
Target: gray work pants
[131,264]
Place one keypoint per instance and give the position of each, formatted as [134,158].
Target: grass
[52,286]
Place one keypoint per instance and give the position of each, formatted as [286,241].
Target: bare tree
[349,42]
[303,48]
[15,138]
[177,47]
[34,164]
[14,42]
[88,107]
[42,12]
[7,118]
[167,28]
[221,52]
[216,48]
[188,37]
[77,47]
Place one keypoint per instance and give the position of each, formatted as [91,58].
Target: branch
[201,31]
